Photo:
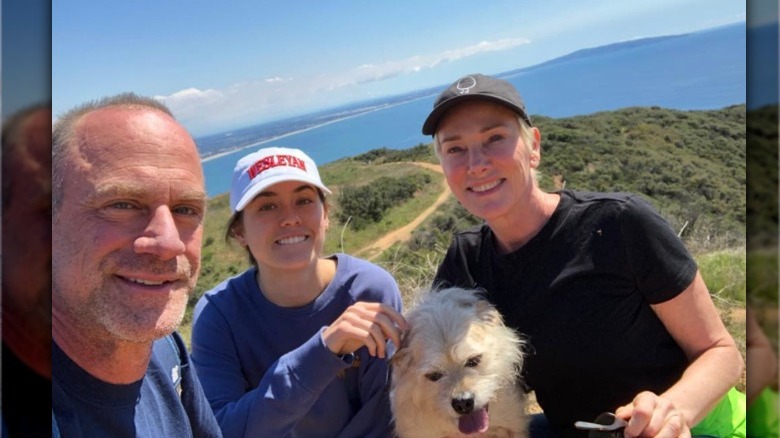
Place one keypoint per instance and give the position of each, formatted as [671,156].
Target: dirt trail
[405,233]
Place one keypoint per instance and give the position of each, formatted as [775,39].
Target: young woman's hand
[369,324]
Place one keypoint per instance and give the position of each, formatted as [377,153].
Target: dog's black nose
[463,405]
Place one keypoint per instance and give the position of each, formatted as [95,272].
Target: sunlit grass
[724,273]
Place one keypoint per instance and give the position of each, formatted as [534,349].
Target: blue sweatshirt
[266,371]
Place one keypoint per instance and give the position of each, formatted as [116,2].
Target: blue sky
[224,65]
[25,60]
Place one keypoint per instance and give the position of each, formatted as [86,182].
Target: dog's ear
[488,313]
[402,356]
[480,292]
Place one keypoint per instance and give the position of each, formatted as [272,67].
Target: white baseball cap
[268,166]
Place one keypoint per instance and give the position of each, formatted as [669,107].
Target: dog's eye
[473,361]
[434,376]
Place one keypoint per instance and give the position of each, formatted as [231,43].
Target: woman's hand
[650,415]
[369,324]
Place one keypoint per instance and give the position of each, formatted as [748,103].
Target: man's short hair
[63,127]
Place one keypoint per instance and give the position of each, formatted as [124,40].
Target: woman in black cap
[615,310]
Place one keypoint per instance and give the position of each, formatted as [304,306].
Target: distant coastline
[225,152]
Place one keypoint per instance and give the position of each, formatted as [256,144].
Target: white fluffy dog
[456,373]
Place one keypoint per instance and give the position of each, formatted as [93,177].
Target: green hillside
[691,164]
[762,220]
[762,180]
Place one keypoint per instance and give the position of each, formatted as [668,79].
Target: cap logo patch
[466,84]
[272,161]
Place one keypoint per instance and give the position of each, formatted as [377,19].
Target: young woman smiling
[295,346]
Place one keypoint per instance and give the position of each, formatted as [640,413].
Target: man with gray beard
[127,222]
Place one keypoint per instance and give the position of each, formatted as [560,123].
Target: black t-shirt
[580,293]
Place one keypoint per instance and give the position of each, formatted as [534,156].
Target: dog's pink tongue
[475,422]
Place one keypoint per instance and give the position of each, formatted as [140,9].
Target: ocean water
[702,70]
[396,127]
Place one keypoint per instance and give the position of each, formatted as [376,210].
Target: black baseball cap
[475,87]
